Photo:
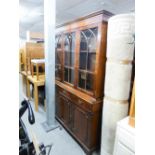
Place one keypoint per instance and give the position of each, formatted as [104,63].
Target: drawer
[64,93]
[76,100]
[83,104]
[123,150]
[127,139]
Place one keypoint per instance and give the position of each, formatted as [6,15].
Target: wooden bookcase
[79,70]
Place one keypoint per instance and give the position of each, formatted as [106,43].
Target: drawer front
[83,104]
[123,150]
[126,138]
[78,101]
[64,93]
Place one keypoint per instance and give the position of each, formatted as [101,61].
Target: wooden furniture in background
[24,82]
[37,63]
[79,69]
[36,83]
[21,64]
[34,36]
[30,51]
[132,108]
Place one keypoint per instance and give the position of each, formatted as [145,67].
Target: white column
[49,37]
[120,51]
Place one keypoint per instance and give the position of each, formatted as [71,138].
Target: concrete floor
[63,143]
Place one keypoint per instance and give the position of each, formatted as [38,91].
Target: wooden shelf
[58,50]
[86,71]
[76,92]
[69,67]
[85,51]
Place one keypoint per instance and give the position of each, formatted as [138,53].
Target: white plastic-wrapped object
[120,53]
[112,113]
[120,40]
[117,80]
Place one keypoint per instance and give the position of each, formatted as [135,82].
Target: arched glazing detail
[58,49]
[88,49]
[69,54]
[87,58]
[58,56]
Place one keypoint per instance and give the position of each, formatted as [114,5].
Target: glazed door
[66,111]
[69,57]
[59,107]
[87,59]
[80,124]
[58,57]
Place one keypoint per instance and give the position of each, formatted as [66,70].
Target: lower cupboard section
[83,125]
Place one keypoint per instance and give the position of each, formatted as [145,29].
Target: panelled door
[80,124]
[69,57]
[63,109]
[58,57]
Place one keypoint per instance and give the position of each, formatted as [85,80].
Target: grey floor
[63,143]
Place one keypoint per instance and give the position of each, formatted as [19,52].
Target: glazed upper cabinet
[87,59]
[79,58]
[79,70]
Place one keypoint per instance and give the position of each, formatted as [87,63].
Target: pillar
[49,38]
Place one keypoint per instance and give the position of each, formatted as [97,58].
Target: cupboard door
[59,107]
[87,58]
[67,112]
[69,57]
[80,124]
[58,57]
[63,109]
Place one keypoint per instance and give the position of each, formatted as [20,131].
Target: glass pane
[72,59]
[69,49]
[93,40]
[91,61]
[83,43]
[56,41]
[90,82]
[58,56]
[88,49]
[92,49]
[59,42]
[58,50]
[67,44]
[58,71]
[82,80]
[94,31]
[72,38]
[83,60]
[67,58]
[87,58]
[71,76]
[83,51]
[66,74]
